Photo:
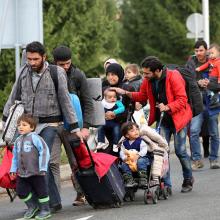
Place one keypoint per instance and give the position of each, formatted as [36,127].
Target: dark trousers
[35,184]
[111,127]
[48,134]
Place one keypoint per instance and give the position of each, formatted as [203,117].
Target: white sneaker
[115,148]
[100,145]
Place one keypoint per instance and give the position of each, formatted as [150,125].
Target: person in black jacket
[77,84]
[209,116]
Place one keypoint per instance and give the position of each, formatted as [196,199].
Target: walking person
[165,90]
[35,88]
[77,84]
[30,162]
[210,115]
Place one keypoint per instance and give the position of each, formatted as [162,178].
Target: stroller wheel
[165,194]
[117,205]
[154,196]
[132,196]
[147,197]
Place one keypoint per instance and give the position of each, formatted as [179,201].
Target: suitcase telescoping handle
[90,155]
[75,142]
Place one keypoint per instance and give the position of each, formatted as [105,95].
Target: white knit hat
[109,61]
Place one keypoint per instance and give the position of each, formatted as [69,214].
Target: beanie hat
[117,70]
[61,53]
[109,61]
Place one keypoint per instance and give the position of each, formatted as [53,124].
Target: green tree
[156,27]
[88,27]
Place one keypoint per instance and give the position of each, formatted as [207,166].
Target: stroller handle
[159,124]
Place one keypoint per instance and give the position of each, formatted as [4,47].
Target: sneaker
[55,208]
[214,164]
[168,190]
[79,201]
[187,185]
[100,145]
[115,148]
[129,181]
[197,164]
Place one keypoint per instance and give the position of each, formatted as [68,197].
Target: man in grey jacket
[36,90]
[77,84]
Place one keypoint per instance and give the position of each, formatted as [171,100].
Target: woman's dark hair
[28,119]
[127,126]
[152,62]
[36,47]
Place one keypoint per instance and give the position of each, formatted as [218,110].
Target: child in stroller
[134,156]
[153,148]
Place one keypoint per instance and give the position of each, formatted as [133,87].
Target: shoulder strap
[19,83]
[54,76]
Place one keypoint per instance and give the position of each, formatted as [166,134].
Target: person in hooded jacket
[114,78]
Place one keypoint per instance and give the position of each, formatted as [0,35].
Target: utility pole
[205,11]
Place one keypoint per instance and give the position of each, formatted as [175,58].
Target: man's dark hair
[152,62]
[200,43]
[36,47]
[127,126]
[62,53]
[28,119]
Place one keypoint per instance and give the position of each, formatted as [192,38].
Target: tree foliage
[95,30]
[88,27]
[156,27]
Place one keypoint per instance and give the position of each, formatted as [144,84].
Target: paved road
[202,203]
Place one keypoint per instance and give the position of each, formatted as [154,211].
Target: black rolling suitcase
[108,191]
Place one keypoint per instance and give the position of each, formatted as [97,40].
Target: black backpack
[192,88]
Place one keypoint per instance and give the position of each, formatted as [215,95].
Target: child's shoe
[142,178]
[44,210]
[100,145]
[32,207]
[129,180]
[214,101]
[115,148]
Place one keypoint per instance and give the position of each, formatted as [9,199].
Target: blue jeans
[195,128]
[180,150]
[142,164]
[48,134]
[113,128]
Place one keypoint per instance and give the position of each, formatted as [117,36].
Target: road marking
[84,218]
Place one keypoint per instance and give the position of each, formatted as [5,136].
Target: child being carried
[112,107]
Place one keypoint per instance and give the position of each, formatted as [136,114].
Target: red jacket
[215,68]
[180,110]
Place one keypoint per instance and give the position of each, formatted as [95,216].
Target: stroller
[154,190]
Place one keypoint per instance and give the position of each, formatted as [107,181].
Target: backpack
[192,89]
[6,181]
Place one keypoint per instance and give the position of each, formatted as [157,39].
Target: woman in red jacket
[165,90]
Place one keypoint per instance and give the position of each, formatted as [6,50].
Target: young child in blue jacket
[30,163]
